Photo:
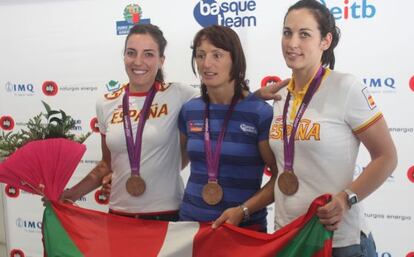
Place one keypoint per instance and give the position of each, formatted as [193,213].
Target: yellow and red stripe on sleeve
[368,123]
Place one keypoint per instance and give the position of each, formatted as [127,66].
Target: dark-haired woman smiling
[324,115]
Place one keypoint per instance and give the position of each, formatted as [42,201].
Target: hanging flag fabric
[44,167]
[73,231]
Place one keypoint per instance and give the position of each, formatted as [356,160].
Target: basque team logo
[226,13]
[6,123]
[204,15]
[132,15]
[49,88]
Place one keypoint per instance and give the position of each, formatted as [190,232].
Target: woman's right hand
[106,184]
[65,197]
[270,92]
[331,214]
[233,215]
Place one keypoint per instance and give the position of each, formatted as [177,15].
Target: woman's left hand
[331,214]
[232,216]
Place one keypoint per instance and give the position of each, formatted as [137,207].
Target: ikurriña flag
[73,231]
[43,167]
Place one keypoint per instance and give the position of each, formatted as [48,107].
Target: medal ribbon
[289,146]
[214,159]
[134,149]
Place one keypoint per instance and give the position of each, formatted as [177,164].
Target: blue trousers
[365,249]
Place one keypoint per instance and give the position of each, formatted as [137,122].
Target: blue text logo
[351,9]
[20,88]
[229,13]
[381,85]
[29,225]
[379,82]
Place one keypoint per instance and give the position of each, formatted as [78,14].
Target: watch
[352,197]
[245,212]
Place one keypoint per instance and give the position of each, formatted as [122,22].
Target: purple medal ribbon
[289,146]
[213,159]
[134,149]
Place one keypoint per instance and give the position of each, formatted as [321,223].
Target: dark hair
[157,35]
[228,40]
[326,24]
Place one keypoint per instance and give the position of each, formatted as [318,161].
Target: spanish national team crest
[369,98]
[132,15]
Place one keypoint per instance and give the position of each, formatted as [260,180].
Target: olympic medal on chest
[135,185]
[212,193]
[288,183]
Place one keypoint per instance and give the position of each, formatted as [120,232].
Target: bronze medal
[288,183]
[135,185]
[212,193]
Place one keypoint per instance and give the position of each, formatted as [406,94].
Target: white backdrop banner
[67,53]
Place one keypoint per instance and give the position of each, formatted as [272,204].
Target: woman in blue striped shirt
[225,135]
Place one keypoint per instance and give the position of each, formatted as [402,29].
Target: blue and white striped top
[241,166]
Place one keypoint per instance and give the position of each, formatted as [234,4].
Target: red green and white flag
[73,231]
[43,167]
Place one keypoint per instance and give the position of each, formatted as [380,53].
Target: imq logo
[350,9]
[380,82]
[29,225]
[226,13]
[20,88]
[381,85]
[6,123]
